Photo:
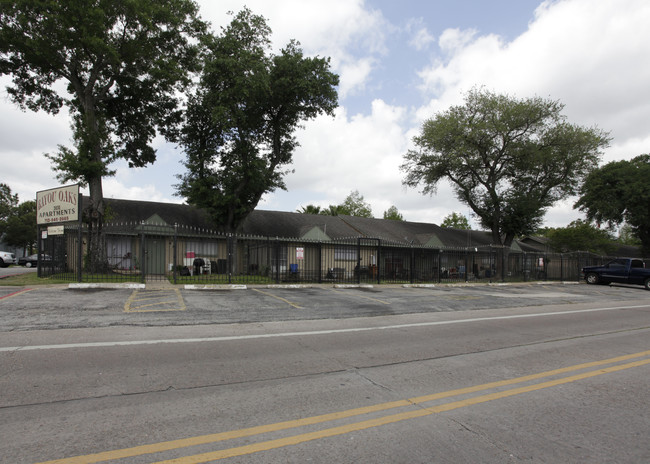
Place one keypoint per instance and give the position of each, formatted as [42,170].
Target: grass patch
[30,279]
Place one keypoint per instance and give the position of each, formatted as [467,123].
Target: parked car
[619,270]
[32,260]
[7,258]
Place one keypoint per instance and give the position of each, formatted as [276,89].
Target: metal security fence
[146,251]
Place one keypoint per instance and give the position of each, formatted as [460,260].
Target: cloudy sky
[399,64]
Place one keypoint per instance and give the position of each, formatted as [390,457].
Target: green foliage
[507,159]
[620,192]
[455,221]
[626,236]
[310,209]
[17,221]
[354,205]
[20,226]
[239,126]
[122,64]
[393,213]
[334,210]
[8,203]
[581,236]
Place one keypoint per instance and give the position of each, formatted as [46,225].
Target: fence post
[269,257]
[143,254]
[466,265]
[229,246]
[80,250]
[358,267]
[439,266]
[319,267]
[174,260]
[412,266]
[493,263]
[378,261]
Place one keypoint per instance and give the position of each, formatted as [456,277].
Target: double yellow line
[616,364]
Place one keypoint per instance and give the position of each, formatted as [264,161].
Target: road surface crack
[510,456]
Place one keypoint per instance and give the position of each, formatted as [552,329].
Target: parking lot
[64,307]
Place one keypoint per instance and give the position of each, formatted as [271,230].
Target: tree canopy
[310,209]
[620,192]
[509,160]
[8,201]
[122,65]
[355,205]
[393,213]
[455,221]
[581,236]
[20,227]
[17,220]
[238,132]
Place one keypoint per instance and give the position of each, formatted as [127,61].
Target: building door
[154,250]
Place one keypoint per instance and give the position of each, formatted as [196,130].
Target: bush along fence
[144,252]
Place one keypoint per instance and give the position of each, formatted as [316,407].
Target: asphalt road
[529,373]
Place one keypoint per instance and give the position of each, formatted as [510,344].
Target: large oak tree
[508,159]
[239,130]
[116,65]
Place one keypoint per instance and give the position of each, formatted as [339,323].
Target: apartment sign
[57,205]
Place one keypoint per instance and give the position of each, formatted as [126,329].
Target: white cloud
[453,40]
[347,31]
[592,56]
[421,38]
[354,75]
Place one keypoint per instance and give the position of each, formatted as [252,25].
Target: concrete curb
[353,286]
[105,285]
[307,286]
[215,287]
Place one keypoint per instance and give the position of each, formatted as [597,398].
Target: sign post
[55,207]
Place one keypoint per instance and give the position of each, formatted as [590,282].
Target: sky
[401,63]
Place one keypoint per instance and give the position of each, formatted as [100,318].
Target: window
[347,253]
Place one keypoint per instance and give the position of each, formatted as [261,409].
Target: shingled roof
[300,226]
[137,211]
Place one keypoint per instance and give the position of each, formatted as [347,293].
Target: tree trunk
[96,258]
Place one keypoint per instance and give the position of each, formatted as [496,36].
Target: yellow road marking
[391,419]
[301,438]
[136,302]
[278,298]
[366,298]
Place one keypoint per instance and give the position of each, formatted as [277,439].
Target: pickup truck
[619,270]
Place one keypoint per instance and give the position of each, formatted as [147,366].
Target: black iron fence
[144,252]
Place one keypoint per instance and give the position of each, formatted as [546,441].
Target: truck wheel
[647,284]
[592,278]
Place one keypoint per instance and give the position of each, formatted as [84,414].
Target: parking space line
[146,301]
[366,297]
[278,298]
[16,293]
